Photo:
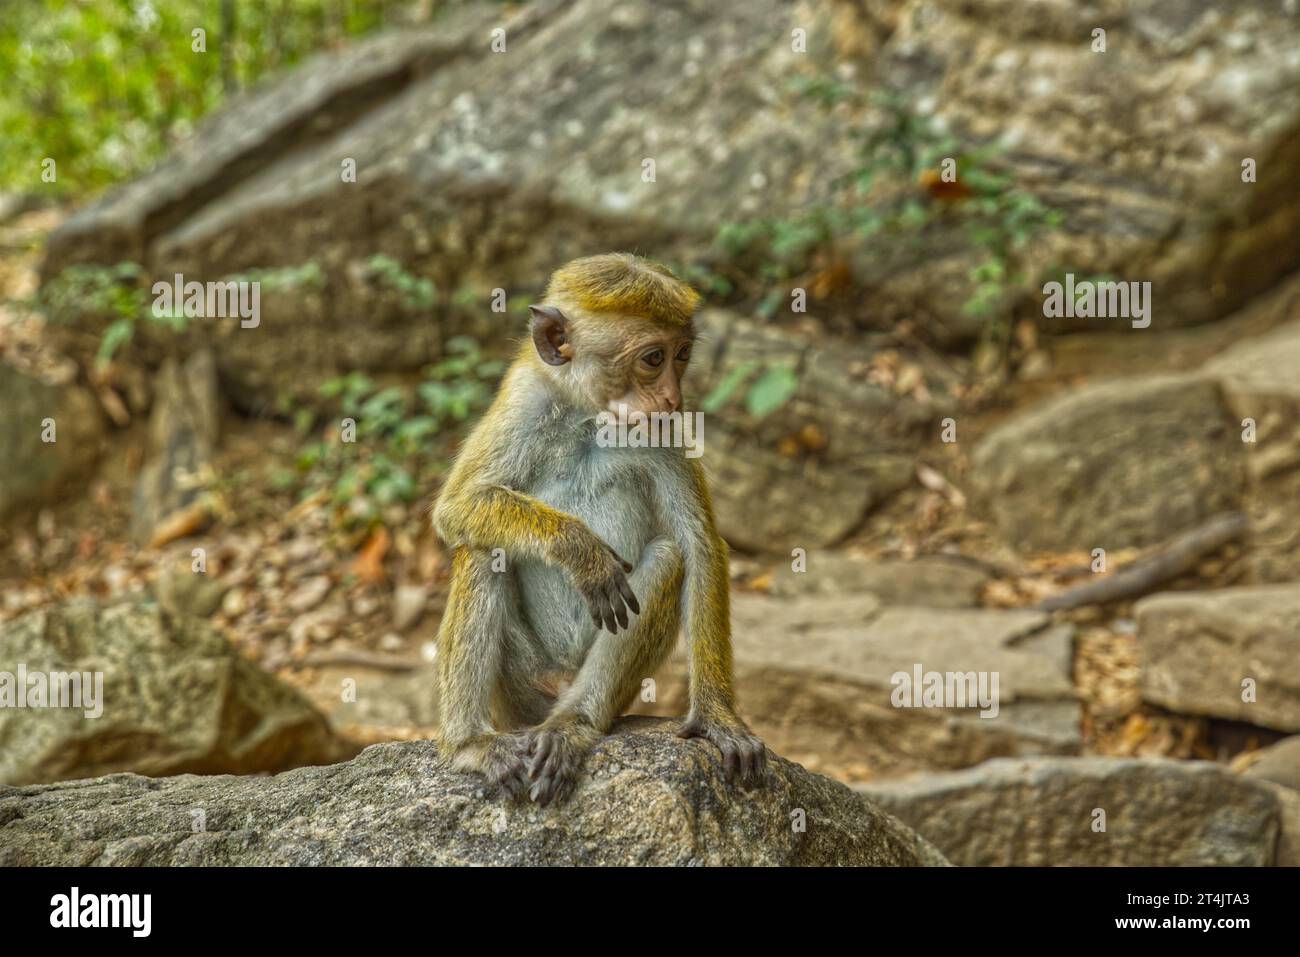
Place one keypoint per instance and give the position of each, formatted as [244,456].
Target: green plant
[396,431]
[768,387]
[118,295]
[114,292]
[307,275]
[820,87]
[416,292]
[103,87]
[878,202]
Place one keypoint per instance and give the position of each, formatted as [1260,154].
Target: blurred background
[914,464]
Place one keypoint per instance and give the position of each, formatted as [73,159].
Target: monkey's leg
[471,655]
[610,676]
[521,702]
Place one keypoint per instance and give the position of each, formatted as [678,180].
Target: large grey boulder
[647,798]
[1149,198]
[1048,812]
[1199,650]
[484,169]
[176,697]
[815,678]
[33,471]
[1117,464]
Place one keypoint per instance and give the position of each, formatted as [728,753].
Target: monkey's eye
[654,358]
[684,353]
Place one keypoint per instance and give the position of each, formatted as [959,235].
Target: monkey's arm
[479,508]
[706,613]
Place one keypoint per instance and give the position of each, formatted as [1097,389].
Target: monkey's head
[616,330]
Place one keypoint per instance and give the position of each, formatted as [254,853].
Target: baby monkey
[578,561]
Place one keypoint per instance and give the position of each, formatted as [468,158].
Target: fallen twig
[1148,572]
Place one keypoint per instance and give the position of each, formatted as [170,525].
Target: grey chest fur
[611,491]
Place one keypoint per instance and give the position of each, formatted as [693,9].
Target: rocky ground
[650,801]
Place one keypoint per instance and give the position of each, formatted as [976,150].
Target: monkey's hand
[741,751]
[600,575]
[554,756]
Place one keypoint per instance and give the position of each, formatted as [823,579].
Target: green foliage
[768,388]
[728,387]
[417,293]
[709,283]
[306,275]
[771,390]
[114,292]
[104,86]
[821,88]
[398,432]
[879,202]
[116,295]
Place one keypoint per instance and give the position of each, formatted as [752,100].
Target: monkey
[571,558]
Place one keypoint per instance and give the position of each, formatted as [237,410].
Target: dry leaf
[180,524]
[369,563]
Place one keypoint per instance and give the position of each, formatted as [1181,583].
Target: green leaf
[772,390]
[723,391]
[118,333]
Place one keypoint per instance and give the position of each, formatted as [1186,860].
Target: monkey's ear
[551,335]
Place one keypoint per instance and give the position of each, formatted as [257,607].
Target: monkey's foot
[500,759]
[554,757]
[741,751]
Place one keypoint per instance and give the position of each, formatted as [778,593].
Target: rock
[183,432]
[1040,812]
[931,582]
[308,594]
[408,605]
[319,625]
[1258,377]
[1259,381]
[647,798]
[1198,647]
[234,602]
[1279,763]
[184,593]
[384,699]
[863,448]
[34,472]
[176,698]
[995,69]
[1119,464]
[1288,842]
[464,171]
[814,677]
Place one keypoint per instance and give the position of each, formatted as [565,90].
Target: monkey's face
[645,373]
[615,361]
